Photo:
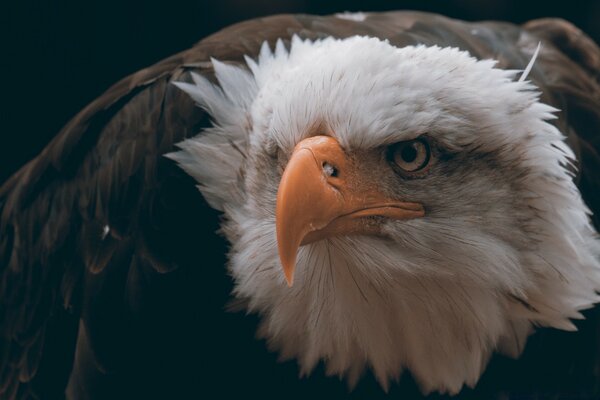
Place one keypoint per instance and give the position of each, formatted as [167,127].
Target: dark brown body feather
[137,312]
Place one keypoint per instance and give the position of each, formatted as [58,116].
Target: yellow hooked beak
[322,194]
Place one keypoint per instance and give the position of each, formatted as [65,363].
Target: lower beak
[322,194]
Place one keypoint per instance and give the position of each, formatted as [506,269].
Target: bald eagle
[396,202]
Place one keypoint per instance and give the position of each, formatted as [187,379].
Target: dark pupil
[409,153]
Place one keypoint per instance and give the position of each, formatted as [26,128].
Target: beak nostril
[330,170]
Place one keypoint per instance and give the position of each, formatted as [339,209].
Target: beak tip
[287,257]
[289,280]
[289,275]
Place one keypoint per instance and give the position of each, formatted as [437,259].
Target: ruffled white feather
[450,288]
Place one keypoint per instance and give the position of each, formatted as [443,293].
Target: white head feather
[506,243]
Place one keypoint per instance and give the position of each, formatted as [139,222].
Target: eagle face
[416,197]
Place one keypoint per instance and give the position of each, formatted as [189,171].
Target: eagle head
[417,198]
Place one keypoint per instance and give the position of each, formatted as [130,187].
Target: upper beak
[323,194]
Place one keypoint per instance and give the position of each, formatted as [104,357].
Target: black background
[58,55]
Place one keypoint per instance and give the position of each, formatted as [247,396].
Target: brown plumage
[100,228]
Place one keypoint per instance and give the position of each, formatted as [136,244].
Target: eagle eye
[412,155]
